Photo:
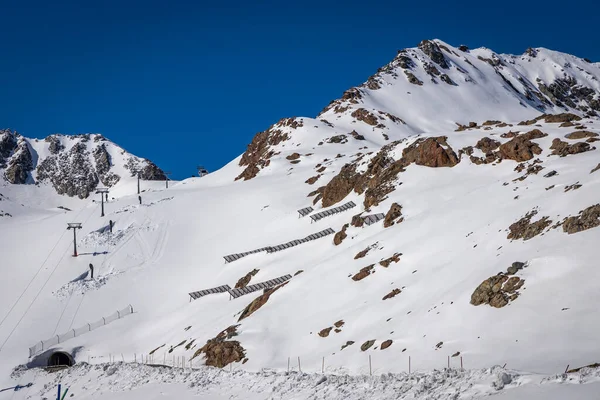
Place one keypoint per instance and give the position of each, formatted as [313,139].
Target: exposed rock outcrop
[363,273]
[220,351]
[245,280]
[20,163]
[393,215]
[339,237]
[393,259]
[367,345]
[386,344]
[259,301]
[430,152]
[520,148]
[391,294]
[365,116]
[563,149]
[587,219]
[432,50]
[497,291]
[259,152]
[525,229]
[581,135]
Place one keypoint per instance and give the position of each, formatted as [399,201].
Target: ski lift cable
[38,271]
[42,288]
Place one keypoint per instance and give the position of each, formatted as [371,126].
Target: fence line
[57,339]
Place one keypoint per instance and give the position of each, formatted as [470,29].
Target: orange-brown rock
[386,263]
[430,152]
[362,253]
[259,301]
[393,215]
[386,344]
[339,323]
[363,273]
[596,168]
[312,179]
[357,220]
[340,185]
[293,156]
[365,116]
[220,351]
[325,332]
[520,148]
[339,237]
[391,294]
[259,151]
[245,280]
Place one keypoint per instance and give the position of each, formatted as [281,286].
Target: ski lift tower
[202,171]
[167,173]
[102,191]
[74,226]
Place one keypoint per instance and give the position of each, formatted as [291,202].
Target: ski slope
[453,237]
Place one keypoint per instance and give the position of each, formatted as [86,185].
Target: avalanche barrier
[371,219]
[235,293]
[332,211]
[57,339]
[279,247]
[201,293]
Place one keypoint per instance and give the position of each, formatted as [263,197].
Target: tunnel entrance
[60,358]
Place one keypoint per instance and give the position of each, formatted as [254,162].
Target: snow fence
[57,339]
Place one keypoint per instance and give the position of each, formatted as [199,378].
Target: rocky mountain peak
[74,165]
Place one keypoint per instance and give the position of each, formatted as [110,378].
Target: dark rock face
[386,344]
[8,143]
[103,164]
[55,145]
[432,50]
[70,173]
[20,164]
[365,116]
[568,92]
[391,294]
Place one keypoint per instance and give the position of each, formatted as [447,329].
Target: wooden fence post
[409,365]
[299,368]
[566,369]
[323,366]
[288,365]
[448,362]
[370,369]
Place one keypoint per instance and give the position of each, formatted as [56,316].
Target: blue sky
[186,83]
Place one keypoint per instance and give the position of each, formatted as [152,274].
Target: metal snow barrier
[327,213]
[296,242]
[237,256]
[305,211]
[200,293]
[371,219]
[235,293]
[57,339]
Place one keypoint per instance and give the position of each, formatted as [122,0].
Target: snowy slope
[458,202]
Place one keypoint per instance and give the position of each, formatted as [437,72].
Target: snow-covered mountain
[72,165]
[481,170]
